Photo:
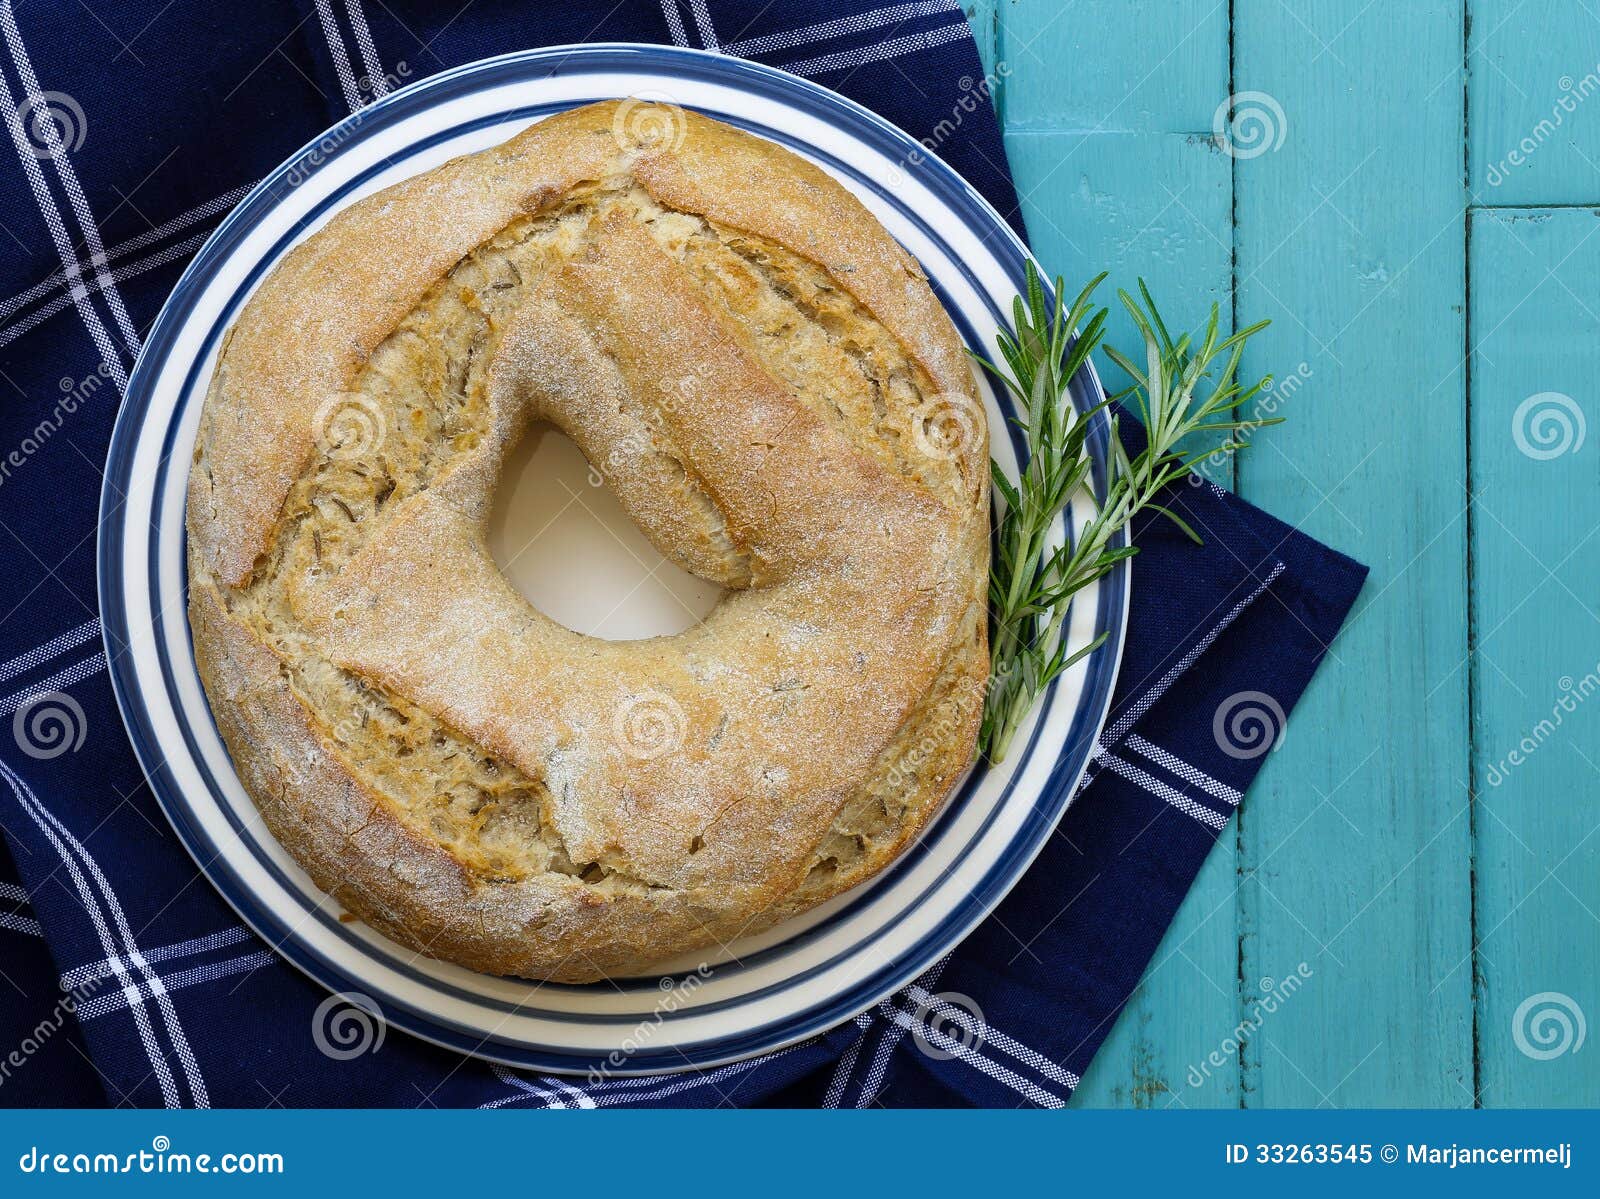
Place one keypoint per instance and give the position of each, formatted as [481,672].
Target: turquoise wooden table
[1410,192]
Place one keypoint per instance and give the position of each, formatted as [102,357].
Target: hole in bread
[567,545]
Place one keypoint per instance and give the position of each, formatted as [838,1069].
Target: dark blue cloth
[168,113]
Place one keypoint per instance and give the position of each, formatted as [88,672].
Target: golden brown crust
[769,405]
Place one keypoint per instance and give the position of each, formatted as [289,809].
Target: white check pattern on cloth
[372,74]
[56,291]
[146,992]
[111,355]
[13,912]
[60,681]
[821,32]
[164,1039]
[165,984]
[810,35]
[82,976]
[71,639]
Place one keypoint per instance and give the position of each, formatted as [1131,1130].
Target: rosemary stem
[1032,585]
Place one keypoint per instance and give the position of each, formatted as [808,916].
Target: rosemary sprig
[1031,584]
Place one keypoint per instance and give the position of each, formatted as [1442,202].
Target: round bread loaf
[765,380]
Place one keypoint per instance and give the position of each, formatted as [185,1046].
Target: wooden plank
[1092,203]
[1156,66]
[1150,205]
[1356,836]
[1534,103]
[1536,611]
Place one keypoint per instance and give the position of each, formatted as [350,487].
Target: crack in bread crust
[753,367]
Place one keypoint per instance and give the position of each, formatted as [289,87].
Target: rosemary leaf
[1183,387]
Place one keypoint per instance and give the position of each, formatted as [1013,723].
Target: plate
[756,995]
